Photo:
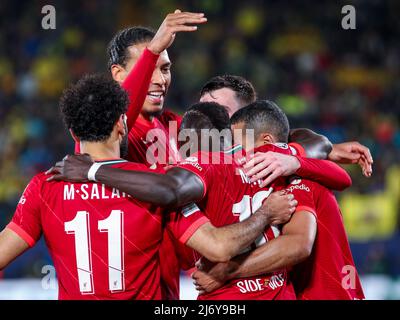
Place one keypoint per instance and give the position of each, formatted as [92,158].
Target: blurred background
[344,84]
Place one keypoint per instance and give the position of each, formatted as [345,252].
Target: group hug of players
[255,220]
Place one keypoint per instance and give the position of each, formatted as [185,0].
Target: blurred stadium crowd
[344,84]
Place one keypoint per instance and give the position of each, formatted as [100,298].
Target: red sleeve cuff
[192,229]
[306,208]
[22,233]
[299,148]
[150,55]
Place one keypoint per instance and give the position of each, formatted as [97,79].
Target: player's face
[160,81]
[225,97]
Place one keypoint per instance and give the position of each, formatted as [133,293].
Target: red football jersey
[150,142]
[329,273]
[160,148]
[230,198]
[104,243]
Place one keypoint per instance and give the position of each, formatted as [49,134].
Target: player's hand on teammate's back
[173,23]
[353,152]
[73,168]
[279,207]
[269,166]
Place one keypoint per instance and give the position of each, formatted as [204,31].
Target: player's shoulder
[36,183]
[134,166]
[40,177]
[276,147]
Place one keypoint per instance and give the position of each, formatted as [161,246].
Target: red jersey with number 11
[104,243]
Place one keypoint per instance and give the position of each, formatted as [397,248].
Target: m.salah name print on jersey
[91,191]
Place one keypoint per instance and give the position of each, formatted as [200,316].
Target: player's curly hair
[117,49]
[243,88]
[92,106]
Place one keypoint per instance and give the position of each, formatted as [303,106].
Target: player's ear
[118,73]
[267,138]
[76,139]
[121,125]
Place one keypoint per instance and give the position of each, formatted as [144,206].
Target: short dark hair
[206,115]
[117,49]
[243,88]
[92,106]
[264,116]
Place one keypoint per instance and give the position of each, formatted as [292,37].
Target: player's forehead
[136,50]
[223,96]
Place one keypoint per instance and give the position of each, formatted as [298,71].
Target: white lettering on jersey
[259,284]
[298,187]
[69,192]
[91,191]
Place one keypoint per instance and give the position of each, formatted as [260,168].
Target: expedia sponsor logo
[194,164]
[261,284]
[298,187]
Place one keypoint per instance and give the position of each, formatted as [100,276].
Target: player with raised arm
[139,61]
[103,242]
[314,241]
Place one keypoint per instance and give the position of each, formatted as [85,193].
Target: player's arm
[11,246]
[271,165]
[138,80]
[25,228]
[355,153]
[223,243]
[175,189]
[315,145]
[292,247]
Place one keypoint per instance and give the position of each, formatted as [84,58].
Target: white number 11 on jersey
[113,225]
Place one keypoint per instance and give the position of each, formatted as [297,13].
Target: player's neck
[101,150]
[146,117]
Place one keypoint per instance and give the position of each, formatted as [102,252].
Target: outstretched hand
[353,152]
[173,23]
[73,168]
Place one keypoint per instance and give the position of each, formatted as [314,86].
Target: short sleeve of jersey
[26,221]
[303,191]
[297,149]
[200,165]
[183,224]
